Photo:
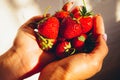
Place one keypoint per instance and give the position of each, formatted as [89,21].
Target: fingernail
[105,37]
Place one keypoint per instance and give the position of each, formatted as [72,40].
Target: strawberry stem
[46,10]
[84,3]
[70,51]
[73,51]
[45,43]
[42,20]
[40,37]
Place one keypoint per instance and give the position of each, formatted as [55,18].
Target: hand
[80,66]
[25,57]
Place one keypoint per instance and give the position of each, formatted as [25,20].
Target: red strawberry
[76,12]
[86,24]
[61,15]
[49,28]
[70,28]
[79,42]
[86,20]
[64,49]
[76,9]
[81,14]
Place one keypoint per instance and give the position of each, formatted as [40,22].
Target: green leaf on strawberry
[64,49]
[84,12]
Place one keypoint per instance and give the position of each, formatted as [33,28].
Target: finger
[105,36]
[29,25]
[98,25]
[32,20]
[101,49]
[27,29]
[68,6]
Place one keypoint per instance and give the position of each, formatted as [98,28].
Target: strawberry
[47,33]
[64,49]
[76,9]
[61,15]
[86,24]
[79,42]
[86,19]
[70,28]
[76,12]
[64,12]
[49,28]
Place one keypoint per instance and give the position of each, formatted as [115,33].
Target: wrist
[10,65]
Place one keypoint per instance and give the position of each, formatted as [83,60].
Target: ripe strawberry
[79,42]
[76,12]
[47,33]
[64,49]
[86,24]
[81,14]
[61,15]
[86,20]
[70,28]
[76,9]
[49,28]
[64,12]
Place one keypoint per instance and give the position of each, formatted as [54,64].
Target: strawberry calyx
[64,49]
[45,43]
[69,50]
[81,38]
[84,12]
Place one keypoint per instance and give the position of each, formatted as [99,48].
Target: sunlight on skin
[79,3]
[118,12]
[34,77]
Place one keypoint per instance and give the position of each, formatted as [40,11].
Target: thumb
[101,48]
[98,27]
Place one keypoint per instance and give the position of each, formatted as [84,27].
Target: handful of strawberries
[67,31]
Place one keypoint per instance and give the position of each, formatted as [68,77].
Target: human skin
[25,57]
